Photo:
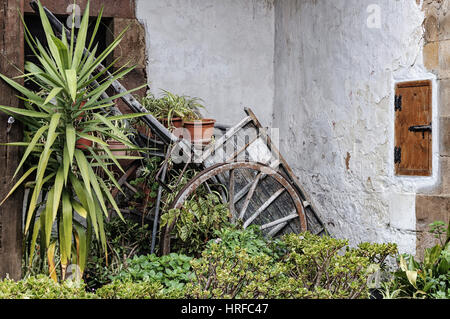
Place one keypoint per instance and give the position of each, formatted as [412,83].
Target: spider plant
[170,106]
[65,180]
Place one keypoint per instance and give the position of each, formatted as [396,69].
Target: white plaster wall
[315,70]
[334,91]
[218,50]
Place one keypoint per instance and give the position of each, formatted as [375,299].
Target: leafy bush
[173,271]
[224,273]
[196,223]
[42,287]
[429,278]
[313,267]
[251,239]
[131,290]
[324,267]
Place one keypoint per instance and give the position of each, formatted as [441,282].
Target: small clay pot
[144,129]
[83,143]
[176,122]
[80,117]
[117,148]
[200,131]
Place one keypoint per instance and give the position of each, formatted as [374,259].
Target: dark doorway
[33,22]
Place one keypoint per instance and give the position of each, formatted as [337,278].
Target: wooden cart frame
[261,187]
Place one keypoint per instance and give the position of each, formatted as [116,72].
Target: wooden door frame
[12,44]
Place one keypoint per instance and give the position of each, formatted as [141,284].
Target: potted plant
[170,109]
[118,146]
[65,177]
[200,129]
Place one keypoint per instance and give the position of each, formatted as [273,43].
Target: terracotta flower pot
[176,122]
[80,117]
[200,131]
[83,143]
[144,129]
[117,147]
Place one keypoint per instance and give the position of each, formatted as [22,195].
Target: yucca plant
[66,180]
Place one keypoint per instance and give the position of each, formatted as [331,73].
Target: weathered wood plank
[12,52]
[250,195]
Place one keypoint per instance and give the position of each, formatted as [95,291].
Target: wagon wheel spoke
[277,229]
[280,221]
[231,195]
[247,187]
[249,195]
[263,207]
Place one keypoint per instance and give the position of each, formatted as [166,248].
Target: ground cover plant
[426,278]
[238,264]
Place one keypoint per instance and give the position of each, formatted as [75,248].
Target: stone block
[431,208]
[132,47]
[443,58]
[445,173]
[424,240]
[444,98]
[428,210]
[431,28]
[444,128]
[431,55]
[444,21]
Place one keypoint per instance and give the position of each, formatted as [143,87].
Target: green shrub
[42,287]
[196,223]
[173,271]
[251,239]
[324,267]
[224,273]
[313,267]
[124,241]
[131,290]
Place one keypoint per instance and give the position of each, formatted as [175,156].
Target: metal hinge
[398,103]
[397,155]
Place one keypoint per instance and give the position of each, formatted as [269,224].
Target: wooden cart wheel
[257,194]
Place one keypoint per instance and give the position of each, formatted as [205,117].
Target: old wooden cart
[243,165]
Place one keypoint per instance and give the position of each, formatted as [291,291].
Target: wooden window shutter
[413,135]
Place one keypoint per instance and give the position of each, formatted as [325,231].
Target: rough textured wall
[220,51]
[334,84]
[434,204]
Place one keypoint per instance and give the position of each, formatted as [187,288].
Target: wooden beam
[112,8]
[11,56]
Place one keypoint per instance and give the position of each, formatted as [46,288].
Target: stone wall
[434,204]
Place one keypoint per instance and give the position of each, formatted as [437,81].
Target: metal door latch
[420,128]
